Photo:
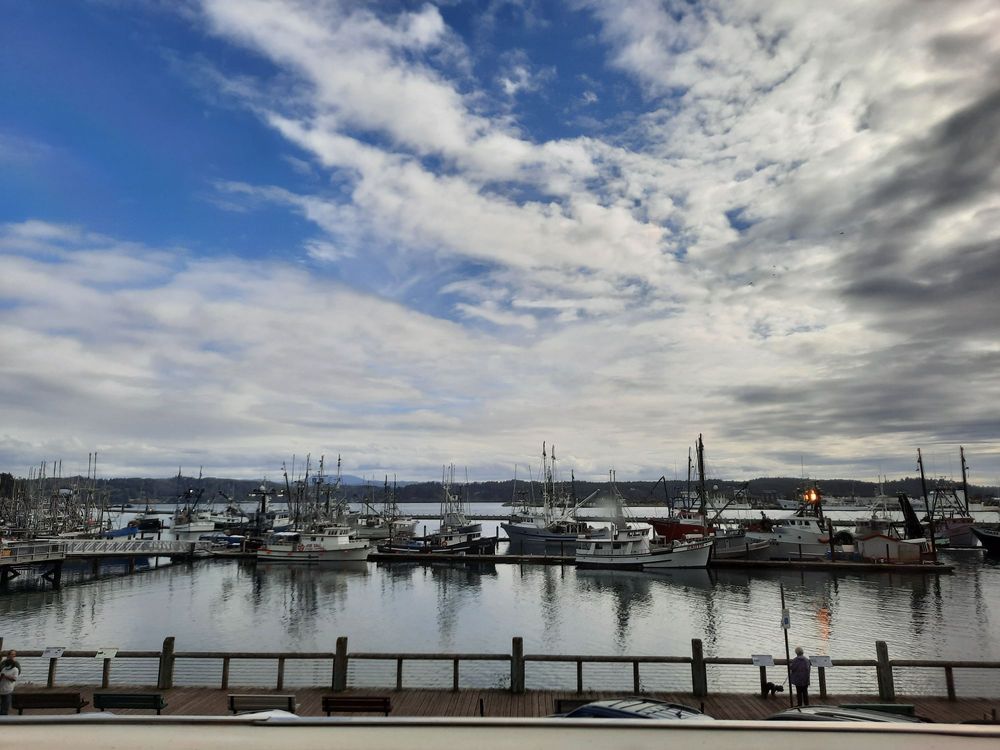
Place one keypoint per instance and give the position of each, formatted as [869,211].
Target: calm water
[224,605]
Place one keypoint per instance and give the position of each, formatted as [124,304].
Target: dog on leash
[770,688]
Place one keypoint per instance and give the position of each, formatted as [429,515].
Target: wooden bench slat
[152,701]
[21,701]
[238,703]
[357,704]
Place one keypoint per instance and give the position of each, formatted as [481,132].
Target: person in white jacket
[10,670]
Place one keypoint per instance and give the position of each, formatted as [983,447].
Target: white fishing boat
[630,548]
[792,538]
[802,536]
[331,544]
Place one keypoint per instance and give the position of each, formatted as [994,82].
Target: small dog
[770,688]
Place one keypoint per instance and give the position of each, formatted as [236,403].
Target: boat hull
[956,531]
[525,533]
[989,539]
[353,553]
[693,555]
[426,545]
[731,548]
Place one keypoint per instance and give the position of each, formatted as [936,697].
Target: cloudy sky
[414,234]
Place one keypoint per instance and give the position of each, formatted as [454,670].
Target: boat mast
[687,496]
[965,480]
[930,509]
[701,476]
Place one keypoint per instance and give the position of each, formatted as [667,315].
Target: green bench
[22,701]
[370,704]
[903,709]
[239,704]
[151,701]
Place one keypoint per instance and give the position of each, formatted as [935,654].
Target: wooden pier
[200,701]
[50,555]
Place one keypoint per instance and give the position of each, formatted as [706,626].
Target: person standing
[10,670]
[798,674]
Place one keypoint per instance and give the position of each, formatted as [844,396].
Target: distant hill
[136,489]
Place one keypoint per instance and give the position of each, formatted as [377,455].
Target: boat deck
[192,701]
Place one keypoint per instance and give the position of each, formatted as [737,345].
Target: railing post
[165,677]
[635,677]
[699,677]
[454,677]
[886,687]
[763,682]
[106,674]
[52,672]
[949,678]
[225,672]
[281,673]
[822,681]
[517,665]
[340,665]
[399,674]
[579,676]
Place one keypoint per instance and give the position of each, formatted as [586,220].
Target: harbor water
[226,605]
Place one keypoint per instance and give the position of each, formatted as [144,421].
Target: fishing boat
[630,548]
[385,523]
[331,544]
[555,521]
[686,524]
[989,538]
[456,536]
[948,517]
[801,536]
[190,522]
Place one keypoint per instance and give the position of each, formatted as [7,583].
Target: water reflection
[629,591]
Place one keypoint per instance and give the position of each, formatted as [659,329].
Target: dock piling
[699,677]
[340,666]
[883,671]
[165,676]
[517,665]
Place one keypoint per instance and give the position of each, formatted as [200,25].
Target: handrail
[517,659]
[611,659]
[422,656]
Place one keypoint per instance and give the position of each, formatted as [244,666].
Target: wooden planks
[197,701]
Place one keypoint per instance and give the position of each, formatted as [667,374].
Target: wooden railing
[340,660]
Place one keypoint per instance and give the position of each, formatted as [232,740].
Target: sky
[416,234]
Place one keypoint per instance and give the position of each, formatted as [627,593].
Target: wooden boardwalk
[534,703]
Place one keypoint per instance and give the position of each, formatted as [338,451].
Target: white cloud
[738,259]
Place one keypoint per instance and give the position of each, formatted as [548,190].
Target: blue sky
[417,234]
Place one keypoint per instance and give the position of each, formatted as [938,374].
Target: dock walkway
[196,701]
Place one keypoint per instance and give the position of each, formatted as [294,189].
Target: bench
[357,704]
[246,703]
[904,709]
[22,701]
[151,701]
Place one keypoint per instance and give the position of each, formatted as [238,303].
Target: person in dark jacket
[798,675]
